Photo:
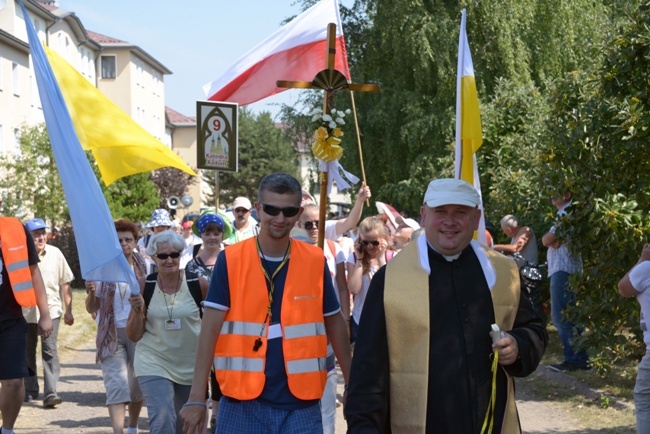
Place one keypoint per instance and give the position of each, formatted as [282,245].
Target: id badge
[173,324]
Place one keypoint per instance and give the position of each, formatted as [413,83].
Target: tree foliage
[601,131]
[564,95]
[263,149]
[31,180]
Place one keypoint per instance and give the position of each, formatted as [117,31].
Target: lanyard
[258,342]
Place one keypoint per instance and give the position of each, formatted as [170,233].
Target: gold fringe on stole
[406,302]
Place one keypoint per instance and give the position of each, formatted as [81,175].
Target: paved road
[83,409]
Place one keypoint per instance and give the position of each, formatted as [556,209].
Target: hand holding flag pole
[330,81]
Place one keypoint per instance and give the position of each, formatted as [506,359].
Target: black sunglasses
[241,210]
[375,243]
[164,256]
[288,211]
[309,225]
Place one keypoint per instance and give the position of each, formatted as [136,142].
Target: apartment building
[124,72]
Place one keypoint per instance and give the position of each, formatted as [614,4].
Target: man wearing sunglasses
[243,228]
[272,307]
[425,360]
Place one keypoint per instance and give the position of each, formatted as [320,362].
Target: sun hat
[160,217]
[35,224]
[210,216]
[449,191]
[242,202]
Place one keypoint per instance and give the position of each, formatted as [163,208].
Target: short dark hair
[124,225]
[280,183]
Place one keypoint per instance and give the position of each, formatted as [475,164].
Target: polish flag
[295,52]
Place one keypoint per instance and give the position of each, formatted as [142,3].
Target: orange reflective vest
[239,368]
[15,258]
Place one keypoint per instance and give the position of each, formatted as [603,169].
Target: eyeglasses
[164,256]
[241,210]
[288,211]
[125,240]
[374,243]
[309,225]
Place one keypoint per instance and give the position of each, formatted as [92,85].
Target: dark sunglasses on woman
[309,225]
[365,243]
[164,256]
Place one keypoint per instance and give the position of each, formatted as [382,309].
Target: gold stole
[406,304]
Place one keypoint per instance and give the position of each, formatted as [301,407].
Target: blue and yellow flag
[100,255]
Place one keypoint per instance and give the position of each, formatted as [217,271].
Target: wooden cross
[331,81]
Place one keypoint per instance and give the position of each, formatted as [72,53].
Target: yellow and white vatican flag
[469,134]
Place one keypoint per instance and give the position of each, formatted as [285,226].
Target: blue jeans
[164,400]
[642,396]
[562,296]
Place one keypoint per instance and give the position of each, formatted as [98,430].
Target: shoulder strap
[194,286]
[149,287]
[195,250]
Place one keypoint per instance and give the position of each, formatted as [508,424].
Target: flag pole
[356,125]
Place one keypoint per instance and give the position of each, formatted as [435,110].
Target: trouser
[328,403]
[562,296]
[255,417]
[50,356]
[642,396]
[164,399]
[31,383]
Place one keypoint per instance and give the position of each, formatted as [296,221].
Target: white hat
[408,222]
[450,191]
[307,198]
[242,202]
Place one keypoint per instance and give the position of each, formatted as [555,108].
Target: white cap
[242,202]
[408,222]
[450,191]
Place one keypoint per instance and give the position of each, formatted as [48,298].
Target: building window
[109,69]
[16,77]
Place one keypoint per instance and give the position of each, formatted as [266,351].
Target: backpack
[193,285]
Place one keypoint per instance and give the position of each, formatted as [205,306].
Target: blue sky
[196,39]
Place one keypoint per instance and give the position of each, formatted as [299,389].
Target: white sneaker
[132,430]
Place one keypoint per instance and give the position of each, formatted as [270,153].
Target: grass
[617,382]
[83,328]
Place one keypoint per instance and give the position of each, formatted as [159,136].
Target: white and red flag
[295,52]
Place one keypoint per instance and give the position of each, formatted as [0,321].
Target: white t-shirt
[640,280]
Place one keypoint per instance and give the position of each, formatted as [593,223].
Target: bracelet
[194,403]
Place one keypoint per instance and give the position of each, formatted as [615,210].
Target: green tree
[600,130]
[132,197]
[31,179]
[263,149]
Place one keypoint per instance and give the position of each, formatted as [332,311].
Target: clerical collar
[447,257]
